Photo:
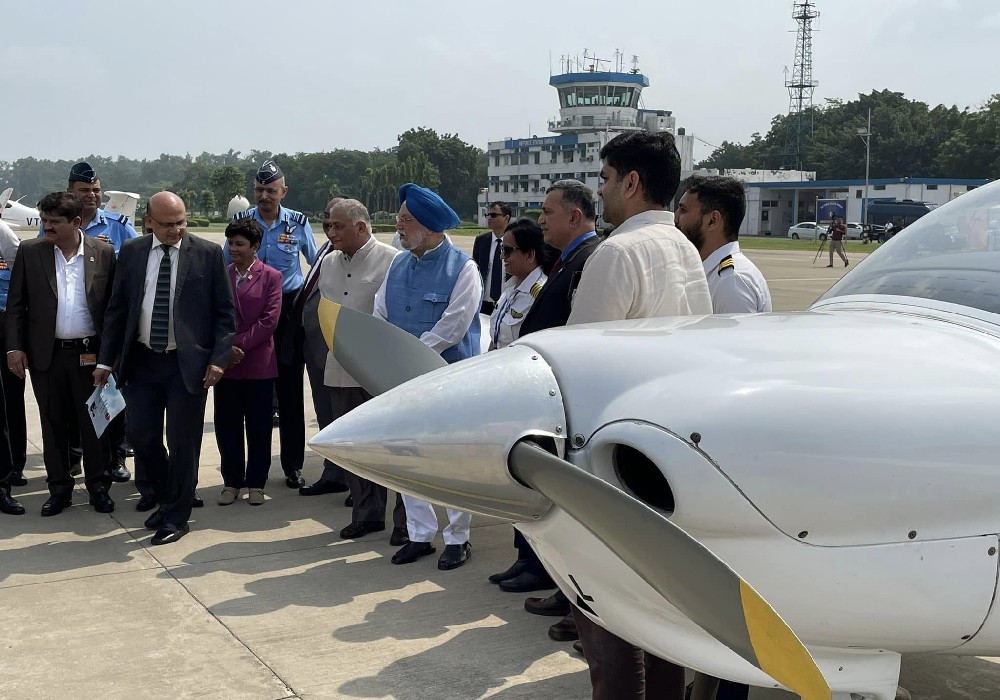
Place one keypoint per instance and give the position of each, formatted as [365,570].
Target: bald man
[169,327]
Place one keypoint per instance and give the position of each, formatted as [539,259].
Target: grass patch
[770,243]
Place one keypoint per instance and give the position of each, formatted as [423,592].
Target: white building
[594,107]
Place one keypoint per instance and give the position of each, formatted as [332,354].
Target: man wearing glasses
[486,253]
[433,292]
[287,234]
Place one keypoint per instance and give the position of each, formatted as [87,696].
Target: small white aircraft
[674,474]
[16,215]
[23,218]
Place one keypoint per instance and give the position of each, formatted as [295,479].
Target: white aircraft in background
[23,218]
[16,215]
[687,480]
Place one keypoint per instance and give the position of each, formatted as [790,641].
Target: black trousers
[369,498]
[156,393]
[13,424]
[291,397]
[526,553]
[621,671]
[243,409]
[62,392]
[324,416]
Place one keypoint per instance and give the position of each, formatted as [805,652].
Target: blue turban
[428,208]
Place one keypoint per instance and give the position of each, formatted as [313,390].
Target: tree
[227,182]
[208,202]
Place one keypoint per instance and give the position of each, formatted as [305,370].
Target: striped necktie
[159,325]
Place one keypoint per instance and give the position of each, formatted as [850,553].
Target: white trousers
[422,523]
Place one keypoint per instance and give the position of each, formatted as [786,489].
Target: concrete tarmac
[268,603]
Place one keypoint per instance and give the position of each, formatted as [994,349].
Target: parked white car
[808,230]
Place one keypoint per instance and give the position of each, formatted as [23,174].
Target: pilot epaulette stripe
[124,220]
[298,218]
[535,289]
[241,215]
[726,262]
[515,314]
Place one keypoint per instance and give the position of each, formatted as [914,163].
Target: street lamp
[865,133]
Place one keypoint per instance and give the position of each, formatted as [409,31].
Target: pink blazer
[258,306]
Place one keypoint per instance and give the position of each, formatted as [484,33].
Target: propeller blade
[376,353]
[678,567]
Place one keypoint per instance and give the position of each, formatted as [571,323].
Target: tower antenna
[801,85]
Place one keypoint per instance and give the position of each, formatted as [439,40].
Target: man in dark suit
[486,253]
[305,338]
[56,305]
[567,221]
[169,329]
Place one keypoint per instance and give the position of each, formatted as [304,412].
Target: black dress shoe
[75,467]
[399,537]
[564,630]
[55,504]
[454,555]
[156,520]
[320,487]
[514,571]
[294,480]
[8,504]
[412,551]
[170,533]
[102,502]
[556,605]
[120,473]
[349,501]
[197,502]
[578,647]
[527,582]
[145,503]
[17,479]
[360,529]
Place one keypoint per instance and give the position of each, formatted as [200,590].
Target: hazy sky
[136,78]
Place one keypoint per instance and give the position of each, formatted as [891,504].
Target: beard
[695,235]
[409,242]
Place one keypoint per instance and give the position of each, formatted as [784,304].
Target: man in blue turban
[434,293]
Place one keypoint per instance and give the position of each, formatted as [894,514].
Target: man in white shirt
[351,274]
[433,292]
[709,214]
[57,337]
[646,268]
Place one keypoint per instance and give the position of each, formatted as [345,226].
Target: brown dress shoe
[564,630]
[555,605]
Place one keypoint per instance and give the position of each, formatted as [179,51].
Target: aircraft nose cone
[446,435]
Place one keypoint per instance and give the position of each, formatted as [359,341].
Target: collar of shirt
[576,244]
[529,281]
[361,252]
[282,218]
[713,260]
[79,251]
[241,277]
[645,218]
[99,220]
[157,243]
[446,240]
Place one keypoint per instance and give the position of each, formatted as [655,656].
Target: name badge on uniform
[88,359]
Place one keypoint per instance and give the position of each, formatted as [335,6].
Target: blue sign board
[564,140]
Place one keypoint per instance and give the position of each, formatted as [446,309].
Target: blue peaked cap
[428,208]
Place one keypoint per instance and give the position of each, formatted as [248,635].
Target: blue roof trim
[825,184]
[601,77]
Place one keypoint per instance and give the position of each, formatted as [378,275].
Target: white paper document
[104,404]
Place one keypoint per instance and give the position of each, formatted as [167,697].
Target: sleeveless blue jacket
[417,292]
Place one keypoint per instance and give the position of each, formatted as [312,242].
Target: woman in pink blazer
[243,395]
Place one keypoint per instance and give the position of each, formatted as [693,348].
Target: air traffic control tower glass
[952,255]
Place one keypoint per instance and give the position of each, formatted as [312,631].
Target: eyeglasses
[494,215]
[506,251]
[400,219]
[169,224]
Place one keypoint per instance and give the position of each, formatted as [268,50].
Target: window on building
[537,156]
[496,187]
[932,187]
[879,187]
[857,194]
[567,156]
[506,187]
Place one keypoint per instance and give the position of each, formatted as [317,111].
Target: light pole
[866,135]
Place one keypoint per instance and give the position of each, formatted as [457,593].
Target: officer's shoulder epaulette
[298,217]
[123,219]
[535,289]
[242,214]
[727,263]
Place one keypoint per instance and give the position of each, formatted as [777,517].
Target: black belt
[77,343]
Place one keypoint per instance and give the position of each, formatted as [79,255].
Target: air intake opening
[640,476]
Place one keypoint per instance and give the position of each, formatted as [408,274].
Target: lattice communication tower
[801,85]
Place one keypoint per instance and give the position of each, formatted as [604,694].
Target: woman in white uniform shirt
[526,259]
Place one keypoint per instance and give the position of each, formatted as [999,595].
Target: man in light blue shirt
[287,235]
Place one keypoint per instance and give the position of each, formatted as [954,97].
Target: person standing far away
[837,231]
[486,253]
[287,235]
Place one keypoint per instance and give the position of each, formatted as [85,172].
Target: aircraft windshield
[952,254]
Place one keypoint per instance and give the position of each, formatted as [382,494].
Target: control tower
[598,99]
